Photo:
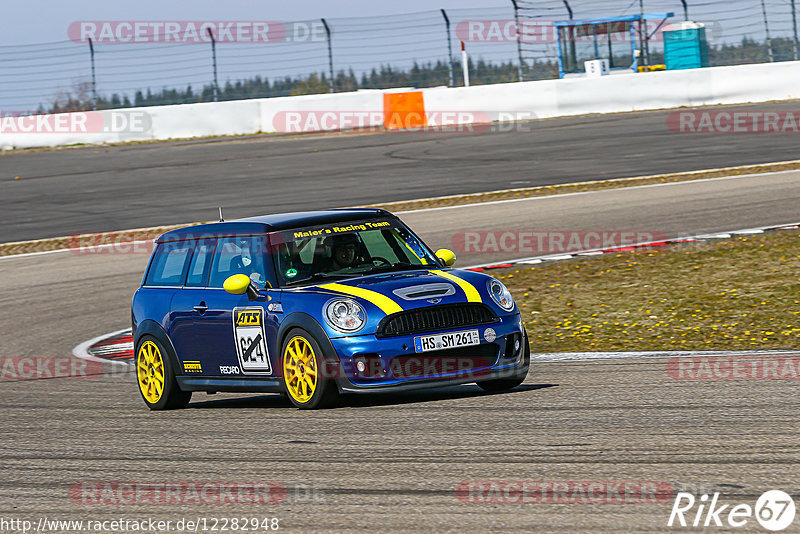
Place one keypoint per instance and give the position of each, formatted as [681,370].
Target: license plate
[447,341]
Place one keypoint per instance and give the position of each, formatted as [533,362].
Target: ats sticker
[192,367]
[251,340]
[247,316]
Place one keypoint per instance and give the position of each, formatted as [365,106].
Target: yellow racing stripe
[381,301]
[472,294]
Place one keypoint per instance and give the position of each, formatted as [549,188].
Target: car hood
[383,294]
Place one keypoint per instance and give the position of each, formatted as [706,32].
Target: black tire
[171,397]
[504,384]
[325,393]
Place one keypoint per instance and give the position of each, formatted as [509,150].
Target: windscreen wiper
[399,266]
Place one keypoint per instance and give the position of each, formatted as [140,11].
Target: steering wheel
[379,261]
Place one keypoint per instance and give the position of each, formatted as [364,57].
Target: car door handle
[201,308]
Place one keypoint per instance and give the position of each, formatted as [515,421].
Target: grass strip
[736,294]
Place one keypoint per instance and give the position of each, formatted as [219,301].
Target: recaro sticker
[251,340]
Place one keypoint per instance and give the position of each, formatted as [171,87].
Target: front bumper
[393,364]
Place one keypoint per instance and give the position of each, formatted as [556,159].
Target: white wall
[542,99]
[627,92]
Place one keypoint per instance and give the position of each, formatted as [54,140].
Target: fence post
[766,28]
[643,38]
[569,10]
[94,79]
[449,49]
[519,39]
[330,51]
[571,32]
[465,64]
[214,63]
[794,26]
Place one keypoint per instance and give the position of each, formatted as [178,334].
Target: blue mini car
[315,304]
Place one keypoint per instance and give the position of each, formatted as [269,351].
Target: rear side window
[169,264]
[201,263]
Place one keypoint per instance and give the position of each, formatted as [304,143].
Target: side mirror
[239,284]
[448,257]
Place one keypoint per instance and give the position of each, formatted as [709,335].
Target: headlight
[345,315]
[501,295]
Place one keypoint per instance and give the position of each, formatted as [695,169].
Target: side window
[239,255]
[168,267]
[201,263]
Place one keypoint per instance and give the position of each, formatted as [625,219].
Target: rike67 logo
[774,510]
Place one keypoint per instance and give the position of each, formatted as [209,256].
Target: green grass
[737,294]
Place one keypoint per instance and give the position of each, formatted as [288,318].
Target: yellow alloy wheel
[150,371]
[300,369]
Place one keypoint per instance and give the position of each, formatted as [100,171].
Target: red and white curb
[117,347]
[644,245]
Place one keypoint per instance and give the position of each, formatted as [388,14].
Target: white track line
[81,351]
[552,357]
[642,244]
[25,254]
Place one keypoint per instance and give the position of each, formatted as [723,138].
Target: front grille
[463,360]
[433,318]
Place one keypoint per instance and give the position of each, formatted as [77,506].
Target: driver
[343,251]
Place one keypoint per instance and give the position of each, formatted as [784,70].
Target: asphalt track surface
[61,192]
[393,462]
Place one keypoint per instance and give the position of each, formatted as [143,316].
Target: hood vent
[425,291]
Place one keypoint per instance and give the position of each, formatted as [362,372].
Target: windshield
[343,250]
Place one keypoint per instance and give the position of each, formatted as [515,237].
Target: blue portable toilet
[685,46]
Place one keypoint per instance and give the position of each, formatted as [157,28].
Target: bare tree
[76,98]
